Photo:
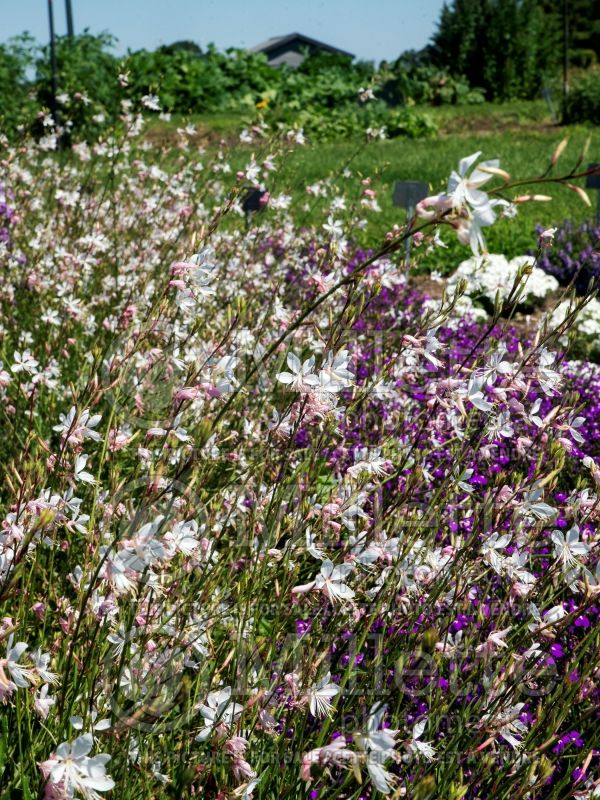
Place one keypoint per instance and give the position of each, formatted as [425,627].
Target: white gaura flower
[320,696]
[567,548]
[75,429]
[246,790]
[465,190]
[475,394]
[151,102]
[312,547]
[24,362]
[73,772]
[376,737]
[335,371]
[472,209]
[80,473]
[183,537]
[491,547]
[507,724]
[335,753]
[467,198]
[416,746]
[195,277]
[499,426]
[514,567]
[494,641]
[43,702]
[451,645]
[531,507]
[333,227]
[591,580]
[369,462]
[551,616]
[144,548]
[549,379]
[378,743]
[301,378]
[41,662]
[547,237]
[20,676]
[218,710]
[252,171]
[381,779]
[495,365]
[329,581]
[468,229]
[96,725]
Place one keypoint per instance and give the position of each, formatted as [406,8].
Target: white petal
[293,362]
[285,377]
[82,745]
[468,161]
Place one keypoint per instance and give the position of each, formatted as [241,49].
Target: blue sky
[372,29]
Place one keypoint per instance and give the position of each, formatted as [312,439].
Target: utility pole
[53,65]
[69,11]
[565,49]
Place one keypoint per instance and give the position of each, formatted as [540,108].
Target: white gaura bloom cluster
[194,278]
[333,376]
[465,205]
[489,275]
[374,747]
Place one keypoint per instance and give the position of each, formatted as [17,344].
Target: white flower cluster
[490,274]
[587,321]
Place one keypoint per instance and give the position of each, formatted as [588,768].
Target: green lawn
[522,135]
[524,155]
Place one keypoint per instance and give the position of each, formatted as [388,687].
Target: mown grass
[521,134]
[527,153]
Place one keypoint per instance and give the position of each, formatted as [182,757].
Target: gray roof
[277,41]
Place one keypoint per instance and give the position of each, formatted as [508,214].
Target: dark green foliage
[407,82]
[17,104]
[582,104]
[584,27]
[321,96]
[190,82]
[510,48]
[351,121]
[513,48]
[185,44]
[88,96]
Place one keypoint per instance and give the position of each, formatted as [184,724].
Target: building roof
[278,41]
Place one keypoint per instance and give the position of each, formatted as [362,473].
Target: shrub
[406,83]
[582,104]
[88,90]
[17,103]
[352,121]
[189,82]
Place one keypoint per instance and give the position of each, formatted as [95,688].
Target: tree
[17,105]
[185,44]
[507,47]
